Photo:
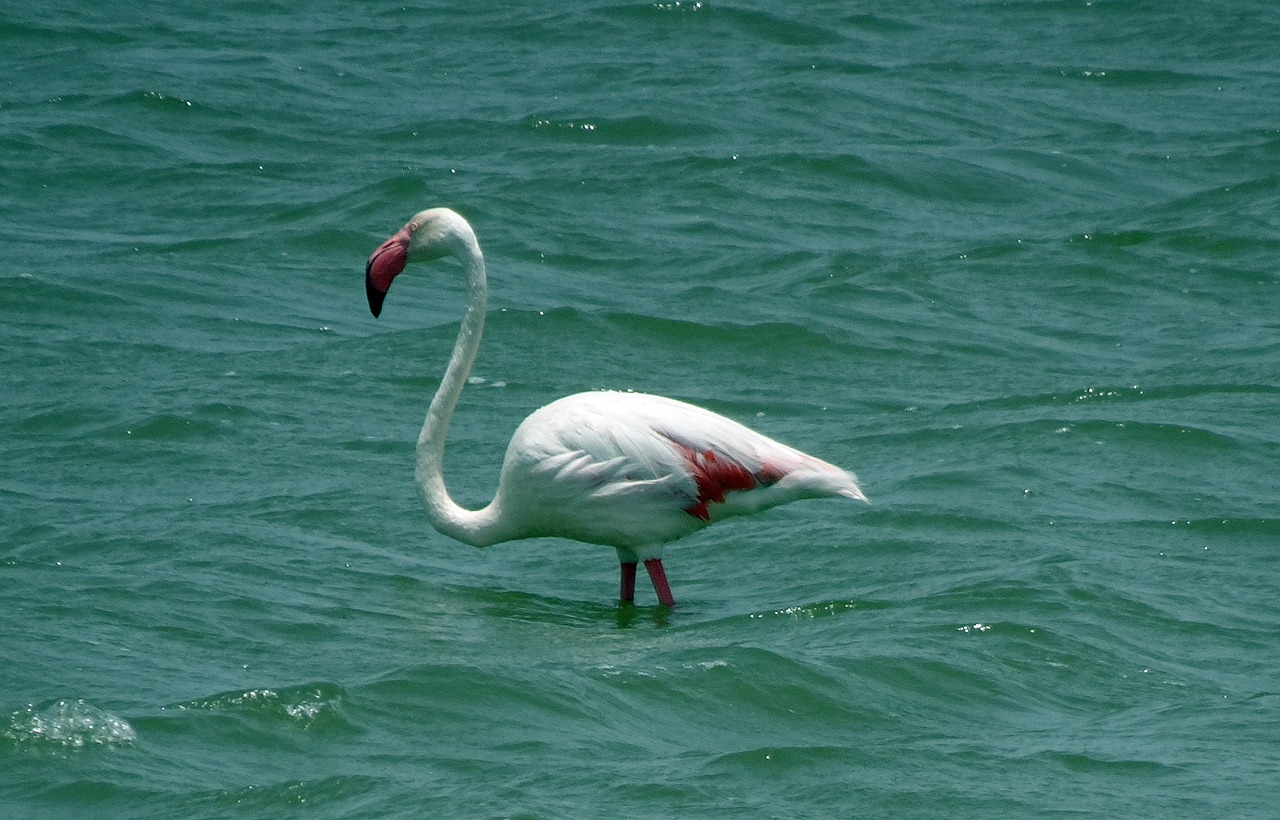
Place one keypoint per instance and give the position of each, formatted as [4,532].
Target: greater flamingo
[626,470]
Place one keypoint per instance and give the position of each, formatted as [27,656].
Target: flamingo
[627,470]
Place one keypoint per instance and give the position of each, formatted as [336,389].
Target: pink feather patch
[716,474]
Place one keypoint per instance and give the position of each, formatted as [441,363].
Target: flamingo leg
[659,577]
[627,592]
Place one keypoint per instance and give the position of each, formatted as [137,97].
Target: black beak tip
[375,296]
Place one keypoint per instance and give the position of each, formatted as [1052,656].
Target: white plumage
[626,470]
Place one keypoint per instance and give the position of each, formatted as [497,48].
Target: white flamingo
[626,470]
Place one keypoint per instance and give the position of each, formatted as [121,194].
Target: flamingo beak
[385,264]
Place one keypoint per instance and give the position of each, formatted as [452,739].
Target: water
[1013,263]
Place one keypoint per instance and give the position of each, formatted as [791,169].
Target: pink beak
[385,264]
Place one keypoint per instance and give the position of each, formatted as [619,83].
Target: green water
[1012,263]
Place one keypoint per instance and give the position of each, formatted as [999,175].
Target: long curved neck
[476,527]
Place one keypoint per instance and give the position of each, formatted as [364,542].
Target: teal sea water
[1014,263]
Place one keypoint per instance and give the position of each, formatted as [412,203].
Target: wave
[67,723]
[304,706]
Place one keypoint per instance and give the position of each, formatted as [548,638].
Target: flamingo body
[627,470]
[633,471]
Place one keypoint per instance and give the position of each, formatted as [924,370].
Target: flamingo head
[431,234]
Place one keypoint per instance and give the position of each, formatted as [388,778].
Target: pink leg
[627,593]
[659,577]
